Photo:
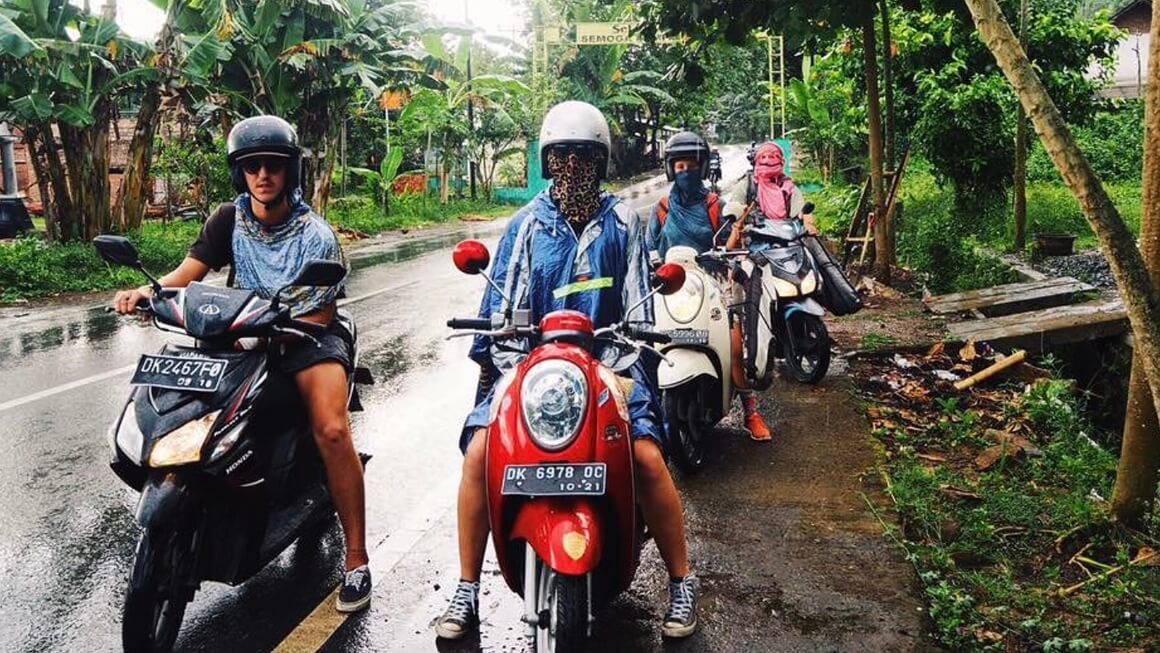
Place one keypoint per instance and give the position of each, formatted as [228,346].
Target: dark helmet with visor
[686,145]
[263,136]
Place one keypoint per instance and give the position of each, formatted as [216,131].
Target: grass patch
[1051,208]
[998,547]
[30,267]
[365,215]
[877,341]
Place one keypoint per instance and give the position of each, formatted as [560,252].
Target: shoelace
[682,600]
[462,604]
[354,578]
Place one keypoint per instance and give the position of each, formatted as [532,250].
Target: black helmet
[686,145]
[263,135]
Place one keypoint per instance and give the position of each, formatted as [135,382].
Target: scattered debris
[997,367]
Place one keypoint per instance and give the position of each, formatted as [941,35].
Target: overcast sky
[142,19]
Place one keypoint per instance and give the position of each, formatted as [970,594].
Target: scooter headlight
[810,283]
[183,445]
[554,395]
[128,437]
[685,304]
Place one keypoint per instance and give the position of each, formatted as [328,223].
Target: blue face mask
[688,184]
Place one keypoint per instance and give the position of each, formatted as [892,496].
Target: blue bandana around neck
[688,221]
[268,257]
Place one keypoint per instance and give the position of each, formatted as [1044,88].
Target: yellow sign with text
[616,33]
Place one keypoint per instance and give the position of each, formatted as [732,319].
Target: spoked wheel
[156,600]
[806,347]
[562,606]
[689,434]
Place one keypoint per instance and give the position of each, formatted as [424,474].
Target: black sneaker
[356,590]
[681,621]
[462,616]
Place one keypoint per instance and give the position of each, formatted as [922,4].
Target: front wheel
[688,435]
[806,347]
[563,611]
[156,600]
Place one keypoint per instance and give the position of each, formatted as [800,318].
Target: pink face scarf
[774,189]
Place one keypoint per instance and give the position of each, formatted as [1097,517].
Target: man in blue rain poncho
[573,247]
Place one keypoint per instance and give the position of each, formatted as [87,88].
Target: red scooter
[560,487]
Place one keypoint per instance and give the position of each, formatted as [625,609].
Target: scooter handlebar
[652,337]
[476,323]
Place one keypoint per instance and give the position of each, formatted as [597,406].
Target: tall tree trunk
[1116,241]
[134,193]
[888,83]
[883,257]
[1021,150]
[1140,453]
[324,183]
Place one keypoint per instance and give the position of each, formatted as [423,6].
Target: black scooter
[218,443]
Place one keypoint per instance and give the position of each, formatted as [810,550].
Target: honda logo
[209,310]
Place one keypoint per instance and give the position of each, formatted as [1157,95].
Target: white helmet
[575,123]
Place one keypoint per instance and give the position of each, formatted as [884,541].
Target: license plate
[179,373]
[566,479]
[689,336]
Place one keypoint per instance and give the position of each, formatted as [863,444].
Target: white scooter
[697,385]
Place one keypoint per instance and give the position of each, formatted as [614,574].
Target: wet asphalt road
[67,525]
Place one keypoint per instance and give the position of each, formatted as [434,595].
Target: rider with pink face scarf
[775,194]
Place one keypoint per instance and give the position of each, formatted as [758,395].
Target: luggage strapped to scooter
[838,295]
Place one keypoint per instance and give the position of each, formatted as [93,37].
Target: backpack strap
[663,210]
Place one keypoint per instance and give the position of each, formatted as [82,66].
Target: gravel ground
[1090,267]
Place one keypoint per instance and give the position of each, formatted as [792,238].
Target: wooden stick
[1078,586]
[983,375]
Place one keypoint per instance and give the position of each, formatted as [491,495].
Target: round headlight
[554,395]
[685,304]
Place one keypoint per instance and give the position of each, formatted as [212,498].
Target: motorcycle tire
[806,348]
[687,439]
[567,607]
[155,602]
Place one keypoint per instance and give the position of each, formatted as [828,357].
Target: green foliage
[365,215]
[828,117]
[1112,144]
[195,164]
[29,267]
[1052,208]
[937,240]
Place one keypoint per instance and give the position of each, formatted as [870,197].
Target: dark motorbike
[218,443]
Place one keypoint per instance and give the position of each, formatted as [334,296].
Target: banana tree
[384,178]
[61,75]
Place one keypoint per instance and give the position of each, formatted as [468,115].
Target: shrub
[1051,208]
[1113,145]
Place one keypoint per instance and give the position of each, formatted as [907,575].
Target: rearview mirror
[471,257]
[320,273]
[117,250]
[670,278]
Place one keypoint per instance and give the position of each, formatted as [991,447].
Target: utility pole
[470,105]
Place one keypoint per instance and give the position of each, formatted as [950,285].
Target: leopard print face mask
[575,185]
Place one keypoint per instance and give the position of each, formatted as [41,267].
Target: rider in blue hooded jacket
[691,217]
[573,247]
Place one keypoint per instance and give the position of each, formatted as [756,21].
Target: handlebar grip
[652,337]
[477,323]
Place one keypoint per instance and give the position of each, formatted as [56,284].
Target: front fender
[807,305]
[564,533]
[162,498]
[687,364]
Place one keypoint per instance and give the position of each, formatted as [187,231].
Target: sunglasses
[273,165]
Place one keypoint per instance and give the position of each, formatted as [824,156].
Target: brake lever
[502,333]
[658,353]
